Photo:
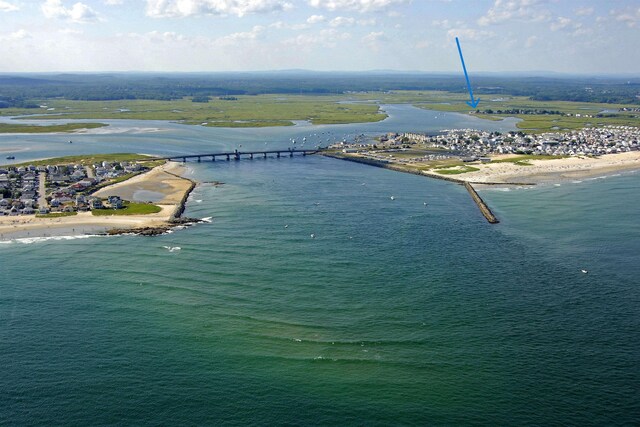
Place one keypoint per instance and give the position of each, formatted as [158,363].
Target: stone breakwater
[484,209]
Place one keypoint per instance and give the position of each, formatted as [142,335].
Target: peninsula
[103,197]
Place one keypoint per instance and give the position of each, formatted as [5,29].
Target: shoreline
[552,170]
[162,180]
[511,174]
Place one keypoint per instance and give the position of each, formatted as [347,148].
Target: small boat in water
[11,157]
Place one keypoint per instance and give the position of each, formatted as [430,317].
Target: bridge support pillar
[265,155]
[251,156]
[198,159]
[228,157]
[291,154]
[278,154]
[184,160]
[213,158]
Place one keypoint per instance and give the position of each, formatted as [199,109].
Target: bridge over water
[237,155]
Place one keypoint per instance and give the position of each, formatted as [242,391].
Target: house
[96,203]
[77,175]
[29,177]
[87,182]
[115,202]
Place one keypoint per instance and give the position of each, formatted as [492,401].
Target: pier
[237,155]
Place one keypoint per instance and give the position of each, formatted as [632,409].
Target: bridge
[237,155]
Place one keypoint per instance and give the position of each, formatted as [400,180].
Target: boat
[11,157]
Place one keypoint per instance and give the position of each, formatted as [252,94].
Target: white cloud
[113,2]
[374,40]
[468,34]
[341,21]
[165,36]
[7,7]
[183,8]
[423,44]
[441,24]
[17,35]
[79,12]
[327,38]
[72,31]
[255,33]
[507,10]
[279,25]
[629,17]
[357,5]
[584,11]
[366,22]
[560,23]
[374,36]
[314,19]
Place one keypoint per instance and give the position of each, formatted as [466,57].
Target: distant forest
[21,90]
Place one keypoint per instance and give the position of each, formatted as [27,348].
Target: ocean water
[393,313]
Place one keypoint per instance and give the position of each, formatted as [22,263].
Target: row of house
[67,187]
[587,141]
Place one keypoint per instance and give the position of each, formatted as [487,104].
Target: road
[42,201]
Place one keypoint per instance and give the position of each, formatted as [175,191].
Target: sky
[566,36]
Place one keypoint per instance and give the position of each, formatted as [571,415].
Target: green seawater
[394,313]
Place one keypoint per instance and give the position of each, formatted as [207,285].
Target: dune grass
[455,170]
[56,214]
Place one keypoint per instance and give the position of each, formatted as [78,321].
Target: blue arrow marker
[474,102]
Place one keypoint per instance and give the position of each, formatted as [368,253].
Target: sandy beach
[163,182]
[539,171]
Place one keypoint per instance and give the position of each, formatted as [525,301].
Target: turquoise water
[393,313]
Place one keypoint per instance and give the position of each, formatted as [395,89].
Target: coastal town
[61,189]
[470,145]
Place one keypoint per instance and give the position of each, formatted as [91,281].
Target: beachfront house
[96,203]
[115,202]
